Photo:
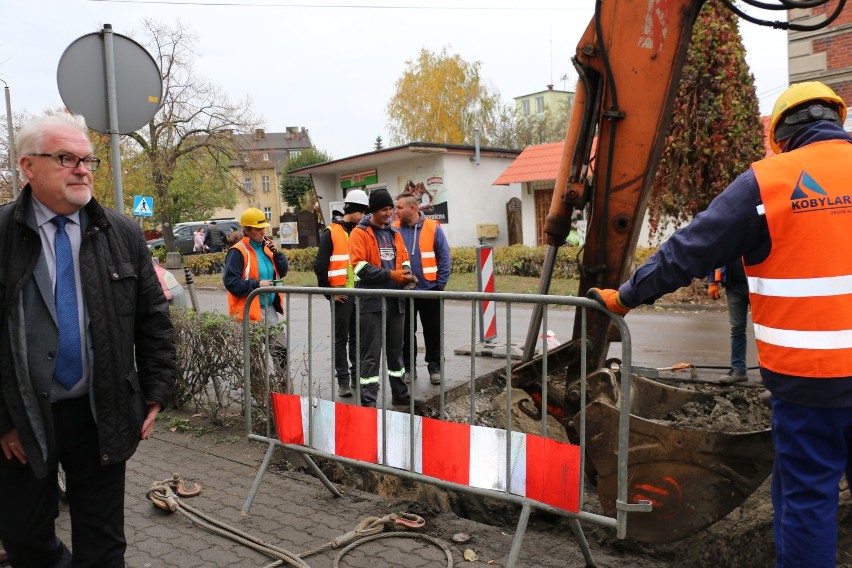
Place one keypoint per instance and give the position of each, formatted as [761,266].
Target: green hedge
[516,260]
[210,364]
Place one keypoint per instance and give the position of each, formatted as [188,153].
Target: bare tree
[196,123]
[6,170]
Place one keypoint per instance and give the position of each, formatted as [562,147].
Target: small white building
[453,182]
[534,173]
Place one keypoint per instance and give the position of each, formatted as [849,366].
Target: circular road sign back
[81,77]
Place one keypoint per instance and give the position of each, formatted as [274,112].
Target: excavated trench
[741,539]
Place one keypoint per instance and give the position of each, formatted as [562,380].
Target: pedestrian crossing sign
[143,206]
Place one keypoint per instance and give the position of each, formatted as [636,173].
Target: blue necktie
[69,365]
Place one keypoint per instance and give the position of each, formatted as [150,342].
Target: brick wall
[823,55]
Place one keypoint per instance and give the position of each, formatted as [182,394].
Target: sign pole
[112,106]
[13,162]
[485,283]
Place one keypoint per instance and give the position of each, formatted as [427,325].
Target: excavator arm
[629,61]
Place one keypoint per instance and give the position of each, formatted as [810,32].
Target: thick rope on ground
[162,496]
[439,543]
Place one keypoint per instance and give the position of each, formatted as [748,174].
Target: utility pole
[13,161]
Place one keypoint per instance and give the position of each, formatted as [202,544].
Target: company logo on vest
[801,201]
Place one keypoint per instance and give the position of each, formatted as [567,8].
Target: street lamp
[13,162]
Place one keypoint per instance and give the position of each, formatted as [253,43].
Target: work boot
[435,378]
[405,400]
[734,376]
[344,390]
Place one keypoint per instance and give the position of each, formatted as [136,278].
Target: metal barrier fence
[307,420]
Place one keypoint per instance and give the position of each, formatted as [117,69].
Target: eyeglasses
[71,161]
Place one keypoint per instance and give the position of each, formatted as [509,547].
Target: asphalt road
[661,337]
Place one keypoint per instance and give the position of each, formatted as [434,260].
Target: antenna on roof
[551,54]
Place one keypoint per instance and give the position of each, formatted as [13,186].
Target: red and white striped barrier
[541,469]
[485,280]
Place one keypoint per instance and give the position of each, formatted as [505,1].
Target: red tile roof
[536,163]
[541,163]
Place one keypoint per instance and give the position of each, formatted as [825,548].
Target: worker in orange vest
[787,217]
[334,270]
[380,262]
[254,262]
[429,253]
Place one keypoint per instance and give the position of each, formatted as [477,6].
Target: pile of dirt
[731,409]
[741,539]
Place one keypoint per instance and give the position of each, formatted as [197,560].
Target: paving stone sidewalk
[294,511]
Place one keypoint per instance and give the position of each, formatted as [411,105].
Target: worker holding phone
[251,263]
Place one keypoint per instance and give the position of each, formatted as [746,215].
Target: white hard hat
[357,196]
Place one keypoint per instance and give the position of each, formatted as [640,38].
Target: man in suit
[86,351]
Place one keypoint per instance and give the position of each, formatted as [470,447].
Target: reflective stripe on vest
[801,295]
[338,262]
[426,242]
[236,304]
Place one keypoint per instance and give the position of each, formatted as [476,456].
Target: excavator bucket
[692,478]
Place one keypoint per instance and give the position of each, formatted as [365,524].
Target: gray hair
[31,136]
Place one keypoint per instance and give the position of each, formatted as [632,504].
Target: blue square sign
[143,206]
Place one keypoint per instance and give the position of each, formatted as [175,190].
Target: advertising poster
[289,233]
[430,192]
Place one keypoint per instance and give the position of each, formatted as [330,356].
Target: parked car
[184,233]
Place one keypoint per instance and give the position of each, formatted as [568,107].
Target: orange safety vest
[801,294]
[428,261]
[339,267]
[236,304]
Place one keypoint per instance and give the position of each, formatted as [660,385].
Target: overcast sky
[330,66]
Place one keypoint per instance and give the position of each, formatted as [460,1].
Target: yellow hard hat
[798,94]
[253,217]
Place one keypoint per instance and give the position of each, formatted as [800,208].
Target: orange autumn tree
[442,98]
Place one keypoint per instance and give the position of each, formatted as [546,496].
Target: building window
[525,105]
[268,212]
[265,184]
[539,105]
[247,185]
[266,156]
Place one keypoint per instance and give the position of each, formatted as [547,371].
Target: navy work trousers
[344,339]
[813,448]
[429,310]
[371,352]
[738,302]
